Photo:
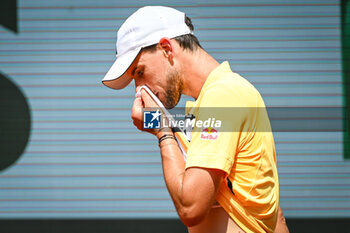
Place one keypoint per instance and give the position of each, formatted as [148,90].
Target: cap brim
[116,77]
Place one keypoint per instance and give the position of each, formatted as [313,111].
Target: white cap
[143,28]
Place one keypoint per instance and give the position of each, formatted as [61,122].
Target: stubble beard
[173,89]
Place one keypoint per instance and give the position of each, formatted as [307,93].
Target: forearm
[193,191]
[173,169]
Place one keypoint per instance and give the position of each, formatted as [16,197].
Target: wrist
[165,137]
[164,131]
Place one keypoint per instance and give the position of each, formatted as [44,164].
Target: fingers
[137,106]
[147,99]
[142,100]
[136,113]
[138,92]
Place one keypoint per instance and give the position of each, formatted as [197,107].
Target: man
[229,182]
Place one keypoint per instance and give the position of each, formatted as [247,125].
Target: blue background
[85,159]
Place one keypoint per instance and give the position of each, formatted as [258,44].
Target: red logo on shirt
[209,134]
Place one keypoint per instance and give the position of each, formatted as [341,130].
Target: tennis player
[229,182]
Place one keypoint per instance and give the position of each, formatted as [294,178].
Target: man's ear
[166,46]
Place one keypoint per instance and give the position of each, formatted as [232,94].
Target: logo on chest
[209,133]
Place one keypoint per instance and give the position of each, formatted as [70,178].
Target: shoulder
[230,89]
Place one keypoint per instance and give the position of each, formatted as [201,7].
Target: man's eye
[139,73]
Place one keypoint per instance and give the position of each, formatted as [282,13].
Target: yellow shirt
[242,146]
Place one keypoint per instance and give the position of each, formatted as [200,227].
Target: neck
[196,69]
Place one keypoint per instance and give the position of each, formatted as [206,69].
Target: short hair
[187,41]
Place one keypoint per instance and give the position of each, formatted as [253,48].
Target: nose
[138,84]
